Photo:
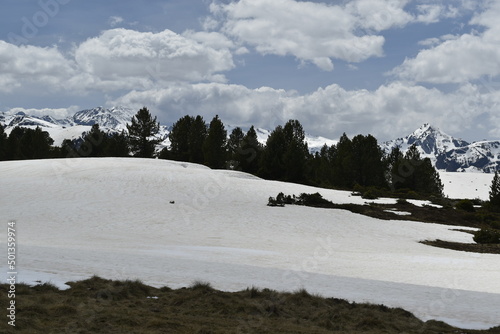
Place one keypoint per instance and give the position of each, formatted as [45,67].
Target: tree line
[357,163]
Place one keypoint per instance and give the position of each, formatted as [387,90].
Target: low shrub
[402,201]
[370,194]
[465,205]
[312,199]
[484,236]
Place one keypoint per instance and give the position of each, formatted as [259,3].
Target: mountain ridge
[446,152]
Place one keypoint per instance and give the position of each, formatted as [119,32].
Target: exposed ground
[97,305]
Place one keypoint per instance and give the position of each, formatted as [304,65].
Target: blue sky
[382,67]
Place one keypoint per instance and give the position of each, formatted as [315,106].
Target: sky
[380,67]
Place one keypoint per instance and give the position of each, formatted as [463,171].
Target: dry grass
[98,305]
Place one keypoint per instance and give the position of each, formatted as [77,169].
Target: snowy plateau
[170,223]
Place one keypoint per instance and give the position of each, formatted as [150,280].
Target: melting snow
[113,218]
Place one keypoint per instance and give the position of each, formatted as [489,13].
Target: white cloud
[314,32]
[128,59]
[392,110]
[461,59]
[57,113]
[22,66]
[115,60]
[113,21]
[379,15]
[429,13]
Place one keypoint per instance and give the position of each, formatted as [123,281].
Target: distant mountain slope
[112,120]
[448,153]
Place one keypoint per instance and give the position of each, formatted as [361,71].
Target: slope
[114,218]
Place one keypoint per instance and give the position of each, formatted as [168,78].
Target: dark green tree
[95,142]
[179,139]
[393,162]
[296,153]
[272,162]
[25,143]
[3,144]
[197,136]
[214,147]
[186,140]
[234,141]
[368,164]
[249,152]
[343,163]
[321,172]
[495,191]
[117,146]
[417,174]
[234,146]
[142,134]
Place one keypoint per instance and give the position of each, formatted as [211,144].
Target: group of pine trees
[356,162]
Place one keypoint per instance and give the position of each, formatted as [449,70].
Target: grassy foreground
[97,305]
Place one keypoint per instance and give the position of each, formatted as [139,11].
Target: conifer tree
[417,174]
[272,161]
[234,147]
[95,142]
[3,144]
[117,146]
[368,165]
[249,153]
[197,136]
[142,132]
[186,140]
[25,143]
[495,191]
[214,148]
[342,164]
[179,139]
[296,153]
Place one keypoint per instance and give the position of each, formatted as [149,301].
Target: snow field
[113,218]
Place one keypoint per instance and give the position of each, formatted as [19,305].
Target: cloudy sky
[383,67]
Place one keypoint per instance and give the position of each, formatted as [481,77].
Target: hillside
[170,223]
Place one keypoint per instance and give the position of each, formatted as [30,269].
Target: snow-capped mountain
[115,118]
[448,153]
[112,120]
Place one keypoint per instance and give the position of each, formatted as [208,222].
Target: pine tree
[342,164]
[197,136]
[368,165]
[272,162]
[249,153]
[95,142]
[25,143]
[186,140]
[414,173]
[234,147]
[393,162]
[214,148]
[179,139]
[118,146]
[142,132]
[3,144]
[495,191]
[296,153]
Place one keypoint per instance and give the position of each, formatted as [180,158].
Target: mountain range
[446,152]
